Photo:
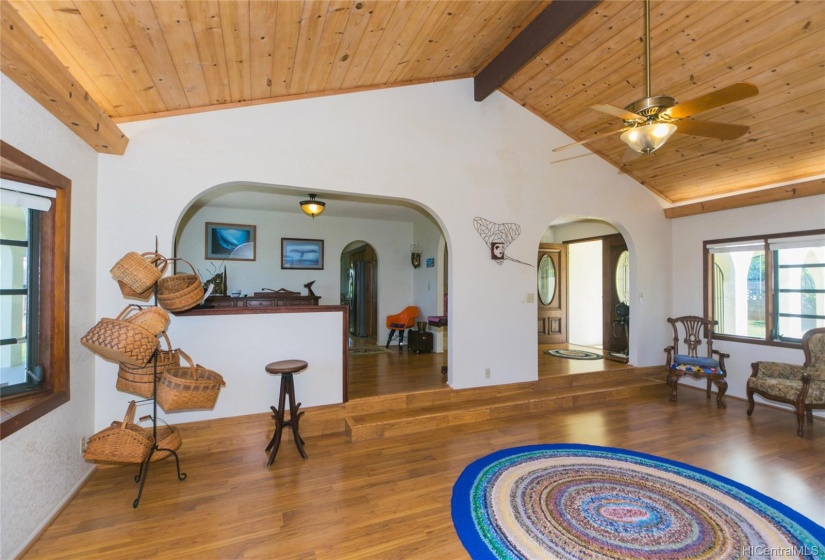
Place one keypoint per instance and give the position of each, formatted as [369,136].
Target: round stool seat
[286,366]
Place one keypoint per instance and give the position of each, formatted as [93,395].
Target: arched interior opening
[346,241]
[583,286]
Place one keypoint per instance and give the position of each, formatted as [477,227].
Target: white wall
[457,158]
[688,235]
[41,463]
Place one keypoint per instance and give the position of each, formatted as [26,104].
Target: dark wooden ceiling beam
[548,26]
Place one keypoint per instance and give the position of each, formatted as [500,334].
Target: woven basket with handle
[188,387]
[121,341]
[168,438]
[128,292]
[180,292]
[153,319]
[139,272]
[122,442]
[138,379]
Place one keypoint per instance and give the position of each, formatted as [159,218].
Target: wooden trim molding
[21,410]
[786,192]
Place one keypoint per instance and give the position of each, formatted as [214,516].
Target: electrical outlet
[487,373]
[82,445]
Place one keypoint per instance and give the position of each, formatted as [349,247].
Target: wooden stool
[286,368]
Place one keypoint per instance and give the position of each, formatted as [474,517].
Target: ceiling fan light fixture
[648,138]
[312,207]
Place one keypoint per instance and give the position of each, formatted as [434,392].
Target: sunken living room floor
[390,498]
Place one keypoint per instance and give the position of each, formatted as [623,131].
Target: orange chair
[401,322]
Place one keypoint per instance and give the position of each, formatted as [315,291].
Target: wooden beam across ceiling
[554,20]
[29,63]
[785,192]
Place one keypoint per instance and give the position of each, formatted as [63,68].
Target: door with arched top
[552,293]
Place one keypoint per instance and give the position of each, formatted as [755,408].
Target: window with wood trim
[767,289]
[41,339]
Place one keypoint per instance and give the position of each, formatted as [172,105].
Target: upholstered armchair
[802,386]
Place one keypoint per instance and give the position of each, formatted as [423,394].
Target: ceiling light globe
[312,207]
[649,138]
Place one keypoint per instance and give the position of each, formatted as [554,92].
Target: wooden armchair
[710,365]
[802,386]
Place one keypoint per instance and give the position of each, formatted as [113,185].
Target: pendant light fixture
[312,207]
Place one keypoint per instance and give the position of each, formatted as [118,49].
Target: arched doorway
[583,285]
[359,288]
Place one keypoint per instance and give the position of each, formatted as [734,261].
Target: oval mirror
[547,280]
[623,277]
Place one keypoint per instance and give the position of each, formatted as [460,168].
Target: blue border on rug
[461,505]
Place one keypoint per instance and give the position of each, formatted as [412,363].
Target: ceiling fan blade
[591,139]
[730,94]
[711,129]
[623,114]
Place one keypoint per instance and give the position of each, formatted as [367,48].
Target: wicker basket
[188,387]
[138,379]
[121,341]
[168,438]
[122,442]
[139,273]
[153,319]
[180,292]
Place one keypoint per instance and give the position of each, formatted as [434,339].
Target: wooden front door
[552,293]
[615,286]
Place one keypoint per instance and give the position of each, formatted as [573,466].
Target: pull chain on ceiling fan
[649,122]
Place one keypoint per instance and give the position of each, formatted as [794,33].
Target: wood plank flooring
[390,498]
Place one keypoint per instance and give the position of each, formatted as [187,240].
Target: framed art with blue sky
[230,242]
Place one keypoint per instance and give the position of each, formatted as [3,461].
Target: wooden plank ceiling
[150,58]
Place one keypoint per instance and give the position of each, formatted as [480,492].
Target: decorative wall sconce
[312,207]
[415,255]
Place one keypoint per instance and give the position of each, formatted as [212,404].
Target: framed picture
[230,242]
[302,254]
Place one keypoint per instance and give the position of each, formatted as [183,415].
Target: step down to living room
[407,413]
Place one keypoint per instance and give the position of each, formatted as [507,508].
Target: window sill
[759,341]
[21,410]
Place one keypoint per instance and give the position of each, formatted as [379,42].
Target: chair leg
[400,339]
[709,391]
[389,338]
[800,420]
[751,404]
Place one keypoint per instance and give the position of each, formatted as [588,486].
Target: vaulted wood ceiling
[128,60]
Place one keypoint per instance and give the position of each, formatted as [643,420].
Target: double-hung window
[768,288]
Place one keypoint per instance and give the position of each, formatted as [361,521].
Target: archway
[359,289]
[589,262]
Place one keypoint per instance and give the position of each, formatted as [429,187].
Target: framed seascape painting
[302,254]
[230,242]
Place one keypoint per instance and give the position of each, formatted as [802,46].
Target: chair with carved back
[801,386]
[692,359]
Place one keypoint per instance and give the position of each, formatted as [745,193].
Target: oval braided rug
[580,502]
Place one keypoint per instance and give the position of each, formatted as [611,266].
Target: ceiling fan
[650,121]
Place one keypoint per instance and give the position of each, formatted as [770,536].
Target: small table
[419,341]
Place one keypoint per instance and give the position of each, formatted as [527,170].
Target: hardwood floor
[390,498]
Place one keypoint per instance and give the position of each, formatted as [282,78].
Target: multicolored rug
[586,502]
[574,354]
